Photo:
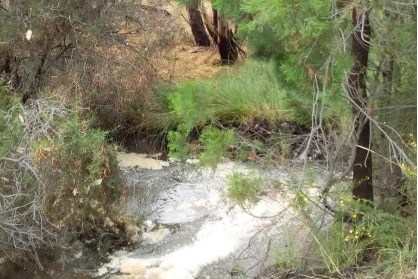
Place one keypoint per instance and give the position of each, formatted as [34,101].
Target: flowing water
[193,231]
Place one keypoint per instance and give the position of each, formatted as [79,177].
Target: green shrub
[80,174]
[59,180]
[243,188]
[217,144]
[388,240]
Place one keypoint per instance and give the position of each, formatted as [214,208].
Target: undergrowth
[243,188]
[240,115]
[256,117]
[359,236]
[236,115]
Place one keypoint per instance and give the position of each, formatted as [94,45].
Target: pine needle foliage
[217,144]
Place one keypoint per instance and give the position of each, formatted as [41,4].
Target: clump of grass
[250,92]
[243,188]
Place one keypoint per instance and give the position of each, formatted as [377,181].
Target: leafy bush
[217,143]
[81,178]
[24,225]
[59,180]
[372,236]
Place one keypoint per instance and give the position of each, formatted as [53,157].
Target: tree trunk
[211,26]
[362,169]
[223,37]
[227,46]
[215,25]
[196,24]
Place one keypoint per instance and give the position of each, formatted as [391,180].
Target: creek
[193,231]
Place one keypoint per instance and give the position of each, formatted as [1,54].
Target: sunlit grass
[250,92]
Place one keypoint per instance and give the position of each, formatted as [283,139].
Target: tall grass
[249,91]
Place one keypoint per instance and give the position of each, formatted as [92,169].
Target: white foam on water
[214,241]
[227,232]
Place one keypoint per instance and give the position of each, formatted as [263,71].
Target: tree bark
[227,46]
[362,169]
[196,24]
[215,25]
[222,35]
[211,26]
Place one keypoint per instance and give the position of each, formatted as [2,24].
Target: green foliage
[158,117]
[10,127]
[360,233]
[59,180]
[243,188]
[310,56]
[251,91]
[7,100]
[387,240]
[188,103]
[178,144]
[217,145]
[248,92]
[80,174]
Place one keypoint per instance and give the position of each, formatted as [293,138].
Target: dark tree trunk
[228,48]
[4,61]
[215,26]
[196,24]
[362,169]
[9,66]
[223,37]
